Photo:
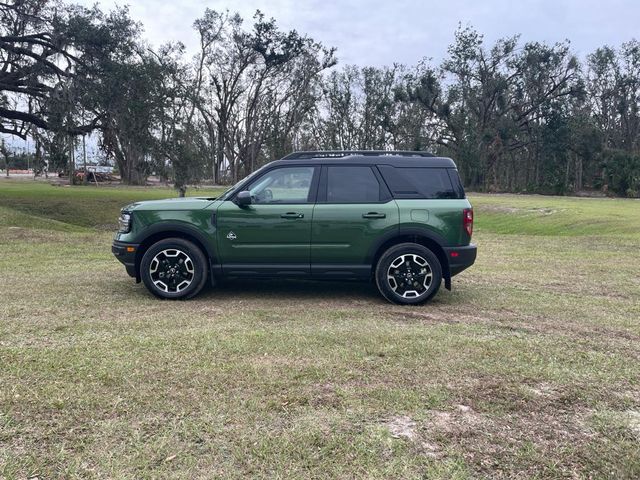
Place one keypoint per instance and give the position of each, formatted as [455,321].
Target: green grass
[84,206]
[558,216]
[529,368]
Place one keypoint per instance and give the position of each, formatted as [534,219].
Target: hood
[185,203]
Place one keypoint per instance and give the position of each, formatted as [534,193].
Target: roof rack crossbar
[346,153]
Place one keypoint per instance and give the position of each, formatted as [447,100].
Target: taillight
[467,220]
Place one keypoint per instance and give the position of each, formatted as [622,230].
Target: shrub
[622,172]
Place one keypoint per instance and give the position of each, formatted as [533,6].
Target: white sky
[376,32]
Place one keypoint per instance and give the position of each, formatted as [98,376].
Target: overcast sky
[380,32]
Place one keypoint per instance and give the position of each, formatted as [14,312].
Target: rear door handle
[374,215]
[292,215]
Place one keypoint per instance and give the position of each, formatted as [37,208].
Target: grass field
[529,368]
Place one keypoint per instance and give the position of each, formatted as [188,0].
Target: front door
[354,210]
[273,234]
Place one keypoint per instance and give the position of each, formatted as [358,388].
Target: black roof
[398,158]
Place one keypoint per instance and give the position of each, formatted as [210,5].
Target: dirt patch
[495,444]
[325,395]
[500,209]
[515,210]
[540,390]
[402,427]
[431,436]
[462,419]
[543,211]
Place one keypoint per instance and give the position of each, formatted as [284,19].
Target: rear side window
[416,182]
[456,182]
[352,185]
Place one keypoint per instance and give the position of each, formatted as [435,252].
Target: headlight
[124,222]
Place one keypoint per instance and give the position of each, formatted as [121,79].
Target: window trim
[384,194]
[313,188]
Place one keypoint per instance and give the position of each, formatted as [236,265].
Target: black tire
[409,279]
[173,262]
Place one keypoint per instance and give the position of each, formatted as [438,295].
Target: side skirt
[316,272]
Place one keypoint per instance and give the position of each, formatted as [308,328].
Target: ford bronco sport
[400,219]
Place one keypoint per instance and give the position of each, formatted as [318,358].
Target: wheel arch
[428,239]
[164,231]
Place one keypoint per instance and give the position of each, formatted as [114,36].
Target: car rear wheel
[174,268]
[408,274]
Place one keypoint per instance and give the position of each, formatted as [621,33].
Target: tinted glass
[419,182]
[456,182]
[283,185]
[352,185]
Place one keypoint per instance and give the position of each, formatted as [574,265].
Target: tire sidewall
[402,249]
[197,257]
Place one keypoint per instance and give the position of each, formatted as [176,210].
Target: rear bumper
[460,258]
[125,255]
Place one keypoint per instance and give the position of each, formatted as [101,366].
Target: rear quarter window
[422,182]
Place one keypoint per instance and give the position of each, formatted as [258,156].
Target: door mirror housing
[243,198]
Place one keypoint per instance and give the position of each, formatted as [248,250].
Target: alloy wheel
[171,270]
[409,275]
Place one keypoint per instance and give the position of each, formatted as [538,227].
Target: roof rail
[346,153]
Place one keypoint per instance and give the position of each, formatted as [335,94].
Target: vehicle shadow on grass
[284,291]
[334,293]
[246,289]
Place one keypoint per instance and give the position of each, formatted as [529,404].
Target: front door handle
[374,215]
[292,215]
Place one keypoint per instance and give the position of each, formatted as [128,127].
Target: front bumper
[126,254]
[460,258]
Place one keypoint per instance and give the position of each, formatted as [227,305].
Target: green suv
[400,219]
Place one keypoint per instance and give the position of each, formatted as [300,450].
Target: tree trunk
[38,159]
[72,162]
[578,173]
[85,179]
[219,157]
[130,172]
[132,176]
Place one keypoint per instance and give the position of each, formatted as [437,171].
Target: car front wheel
[174,268]
[408,274]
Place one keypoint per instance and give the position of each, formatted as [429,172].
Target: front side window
[352,185]
[282,185]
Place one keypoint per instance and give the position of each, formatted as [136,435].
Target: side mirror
[243,198]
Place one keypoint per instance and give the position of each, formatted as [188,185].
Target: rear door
[429,201]
[273,234]
[354,209]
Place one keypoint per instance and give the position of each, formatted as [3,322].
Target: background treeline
[515,116]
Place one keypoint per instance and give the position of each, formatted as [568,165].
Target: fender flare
[181,227]
[418,232]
